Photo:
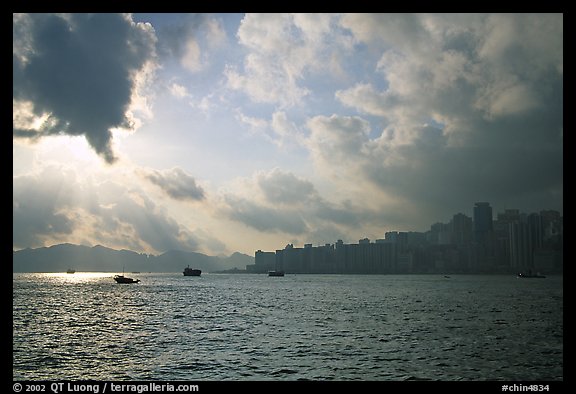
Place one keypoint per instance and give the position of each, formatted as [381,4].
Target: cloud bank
[280,202]
[76,74]
[57,205]
[321,126]
[437,111]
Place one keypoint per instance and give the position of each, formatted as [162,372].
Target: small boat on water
[275,273]
[192,271]
[529,274]
[70,271]
[125,279]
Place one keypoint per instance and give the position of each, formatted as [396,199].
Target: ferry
[192,271]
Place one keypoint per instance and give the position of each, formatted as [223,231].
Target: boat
[70,271]
[529,274]
[275,273]
[192,271]
[125,279]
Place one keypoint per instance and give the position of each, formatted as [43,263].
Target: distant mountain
[239,260]
[59,258]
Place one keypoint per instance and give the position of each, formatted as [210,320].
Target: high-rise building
[502,233]
[461,229]
[484,257]
[521,250]
[536,230]
[482,220]
[263,261]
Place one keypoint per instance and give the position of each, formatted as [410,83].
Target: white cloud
[365,98]
[282,49]
[336,141]
[215,33]
[179,91]
[192,56]
[256,124]
[265,82]
[462,68]
[279,130]
[388,30]
[287,133]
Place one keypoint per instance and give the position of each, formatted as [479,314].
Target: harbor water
[298,327]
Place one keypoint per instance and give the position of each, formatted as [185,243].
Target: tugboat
[192,271]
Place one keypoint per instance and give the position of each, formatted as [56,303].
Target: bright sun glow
[68,148]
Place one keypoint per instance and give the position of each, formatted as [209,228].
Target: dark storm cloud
[79,71]
[508,159]
[448,179]
[472,111]
[176,183]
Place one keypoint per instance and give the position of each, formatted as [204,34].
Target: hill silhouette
[59,258]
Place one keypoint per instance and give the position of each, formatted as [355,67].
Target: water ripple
[304,327]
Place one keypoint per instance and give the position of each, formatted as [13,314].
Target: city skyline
[456,216]
[514,241]
[495,215]
[217,133]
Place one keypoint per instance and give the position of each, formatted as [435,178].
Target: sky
[219,133]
